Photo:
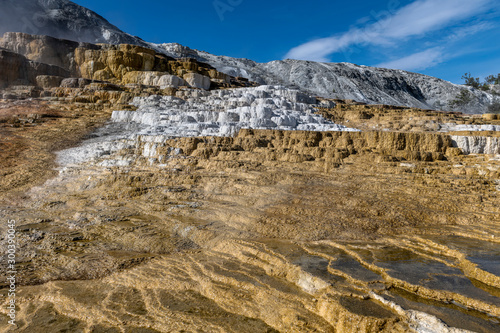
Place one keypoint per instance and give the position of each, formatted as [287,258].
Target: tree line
[475,82]
[465,96]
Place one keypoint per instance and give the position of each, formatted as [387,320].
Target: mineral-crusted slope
[204,206]
[260,226]
[345,81]
[292,231]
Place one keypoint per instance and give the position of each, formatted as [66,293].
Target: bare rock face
[119,64]
[84,59]
[113,62]
[197,80]
[48,81]
[10,63]
[61,19]
[44,49]
[75,83]
[16,69]
[158,79]
[134,64]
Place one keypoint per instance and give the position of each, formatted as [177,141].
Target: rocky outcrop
[119,64]
[197,80]
[17,70]
[124,64]
[60,19]
[48,81]
[157,79]
[75,83]
[10,64]
[44,49]
[113,62]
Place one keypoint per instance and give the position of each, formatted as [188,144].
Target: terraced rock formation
[160,194]
[151,225]
[40,63]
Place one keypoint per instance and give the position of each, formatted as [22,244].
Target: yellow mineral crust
[267,231]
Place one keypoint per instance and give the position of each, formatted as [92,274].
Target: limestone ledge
[477,144]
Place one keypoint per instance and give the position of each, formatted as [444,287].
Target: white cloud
[415,19]
[436,55]
[470,30]
[417,61]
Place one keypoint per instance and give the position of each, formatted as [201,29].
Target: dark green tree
[462,99]
[471,81]
[475,82]
[492,79]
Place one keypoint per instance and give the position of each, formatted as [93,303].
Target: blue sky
[442,38]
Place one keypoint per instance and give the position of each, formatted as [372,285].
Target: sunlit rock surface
[154,225]
[225,112]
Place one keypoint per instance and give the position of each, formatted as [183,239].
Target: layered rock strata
[123,64]
[17,70]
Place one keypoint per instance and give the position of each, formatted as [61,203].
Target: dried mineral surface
[245,210]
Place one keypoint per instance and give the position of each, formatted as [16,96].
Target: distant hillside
[346,81]
[61,19]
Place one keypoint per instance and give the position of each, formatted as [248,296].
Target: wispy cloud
[435,55]
[414,20]
[462,32]
[417,61]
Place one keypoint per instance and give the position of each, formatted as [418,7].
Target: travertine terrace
[158,194]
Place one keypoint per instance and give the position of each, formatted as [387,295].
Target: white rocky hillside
[345,81]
